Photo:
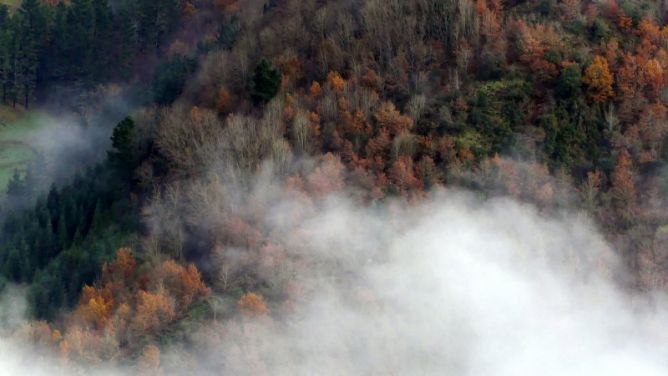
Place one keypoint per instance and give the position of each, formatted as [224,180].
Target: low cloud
[454,285]
[71,141]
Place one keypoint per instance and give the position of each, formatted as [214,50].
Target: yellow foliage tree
[599,80]
[336,82]
[96,305]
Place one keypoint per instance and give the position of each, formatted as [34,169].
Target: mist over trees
[259,115]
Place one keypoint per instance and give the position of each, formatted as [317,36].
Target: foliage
[553,103]
[266,82]
[599,80]
[69,232]
[83,42]
[170,78]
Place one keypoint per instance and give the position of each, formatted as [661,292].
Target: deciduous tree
[599,80]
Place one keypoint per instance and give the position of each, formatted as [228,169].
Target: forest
[284,157]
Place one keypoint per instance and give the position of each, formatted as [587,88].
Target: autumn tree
[149,362]
[599,80]
[327,177]
[117,274]
[183,283]
[252,304]
[336,82]
[154,309]
[388,117]
[623,190]
[96,305]
[654,77]
[403,176]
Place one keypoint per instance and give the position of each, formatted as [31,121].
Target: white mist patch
[453,286]
[12,307]
[66,146]
[16,358]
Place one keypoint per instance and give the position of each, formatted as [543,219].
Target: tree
[336,82]
[103,31]
[149,362]
[228,33]
[31,28]
[266,82]
[654,76]
[7,50]
[570,81]
[599,80]
[153,310]
[96,305]
[253,304]
[390,118]
[170,79]
[123,156]
[623,191]
[121,270]
[183,283]
[403,176]
[327,177]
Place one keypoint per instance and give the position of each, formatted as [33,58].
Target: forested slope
[557,104]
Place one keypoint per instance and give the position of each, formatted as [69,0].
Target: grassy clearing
[11,3]
[16,152]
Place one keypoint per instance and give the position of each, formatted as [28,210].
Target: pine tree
[6,52]
[31,30]
[122,140]
[125,41]
[103,40]
[266,82]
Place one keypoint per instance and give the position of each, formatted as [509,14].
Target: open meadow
[16,150]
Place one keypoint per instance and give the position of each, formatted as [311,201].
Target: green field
[11,3]
[15,150]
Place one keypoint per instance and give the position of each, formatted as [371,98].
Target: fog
[452,286]
[74,139]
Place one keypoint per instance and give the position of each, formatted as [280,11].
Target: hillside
[338,187]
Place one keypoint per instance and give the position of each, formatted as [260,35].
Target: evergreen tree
[266,82]
[6,52]
[103,40]
[122,140]
[170,78]
[31,31]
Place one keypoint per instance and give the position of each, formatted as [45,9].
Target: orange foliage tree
[184,283]
[96,305]
[599,80]
[127,303]
[253,304]
[623,189]
[654,77]
[153,310]
[336,82]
